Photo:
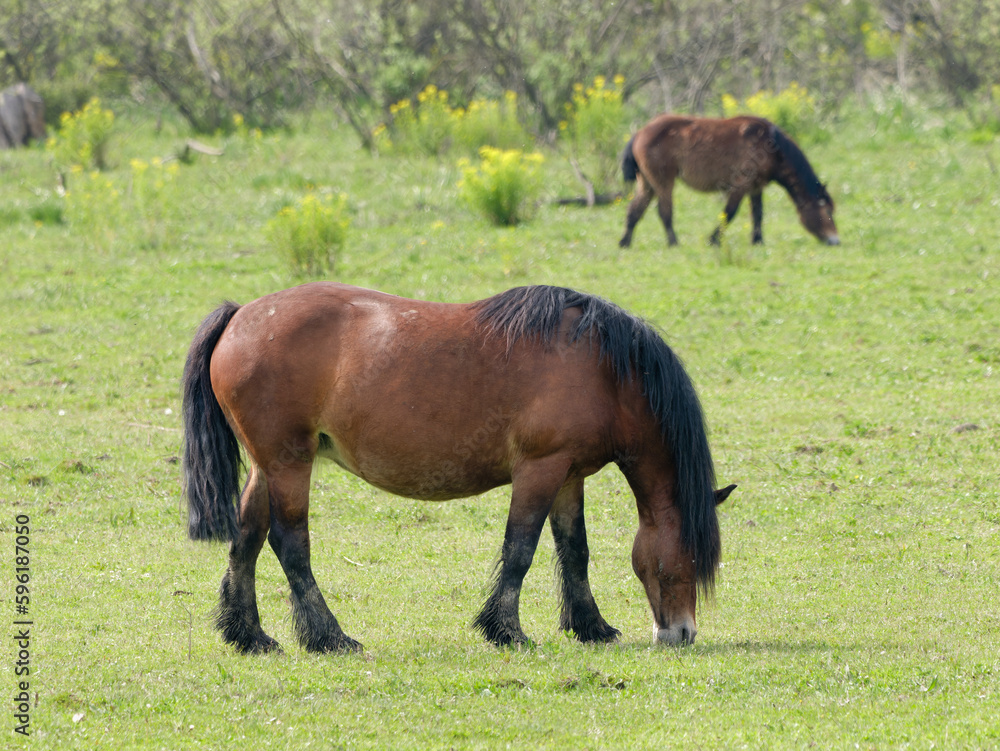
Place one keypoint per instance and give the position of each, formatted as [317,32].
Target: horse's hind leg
[666,209]
[579,610]
[732,206]
[757,211]
[636,208]
[237,616]
[534,489]
[317,628]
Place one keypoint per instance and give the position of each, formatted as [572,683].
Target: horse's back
[705,153]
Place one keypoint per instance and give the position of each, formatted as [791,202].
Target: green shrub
[152,194]
[63,94]
[985,117]
[310,233]
[594,129]
[486,122]
[83,137]
[504,186]
[793,110]
[95,207]
[431,126]
[424,128]
[47,212]
[134,208]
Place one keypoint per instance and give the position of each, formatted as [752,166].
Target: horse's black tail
[212,460]
[630,167]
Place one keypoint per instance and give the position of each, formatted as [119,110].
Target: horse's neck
[791,180]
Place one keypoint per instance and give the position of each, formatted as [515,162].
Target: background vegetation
[851,391]
[857,604]
[263,59]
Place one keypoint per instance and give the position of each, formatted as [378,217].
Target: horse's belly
[427,477]
[708,179]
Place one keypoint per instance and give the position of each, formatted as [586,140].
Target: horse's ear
[723,493]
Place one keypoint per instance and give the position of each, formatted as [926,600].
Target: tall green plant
[793,109]
[594,129]
[432,126]
[488,122]
[422,128]
[309,233]
[504,185]
[83,137]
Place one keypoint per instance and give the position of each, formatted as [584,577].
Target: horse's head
[668,573]
[816,214]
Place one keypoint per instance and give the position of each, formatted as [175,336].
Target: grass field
[858,605]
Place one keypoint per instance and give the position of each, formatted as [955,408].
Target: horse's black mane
[793,156]
[628,343]
[633,349]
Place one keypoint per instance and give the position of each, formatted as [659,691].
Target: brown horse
[738,156]
[538,387]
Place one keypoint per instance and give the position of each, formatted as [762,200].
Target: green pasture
[851,392]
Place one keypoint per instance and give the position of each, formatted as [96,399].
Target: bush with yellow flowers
[421,128]
[135,208]
[152,195]
[432,126]
[595,128]
[487,122]
[82,137]
[793,109]
[95,207]
[310,232]
[504,186]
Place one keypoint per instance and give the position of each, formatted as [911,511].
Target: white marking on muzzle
[677,634]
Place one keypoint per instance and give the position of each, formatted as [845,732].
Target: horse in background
[537,387]
[738,156]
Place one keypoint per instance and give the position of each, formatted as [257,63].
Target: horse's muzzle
[833,240]
[678,635]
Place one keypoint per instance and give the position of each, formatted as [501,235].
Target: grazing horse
[537,387]
[738,156]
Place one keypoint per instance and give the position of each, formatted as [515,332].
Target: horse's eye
[822,202]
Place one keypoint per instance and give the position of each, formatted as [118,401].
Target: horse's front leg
[579,610]
[237,616]
[317,628]
[535,485]
[732,206]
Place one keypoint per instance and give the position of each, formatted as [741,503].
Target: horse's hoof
[522,642]
[624,243]
[509,638]
[340,643]
[260,644]
[599,633]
